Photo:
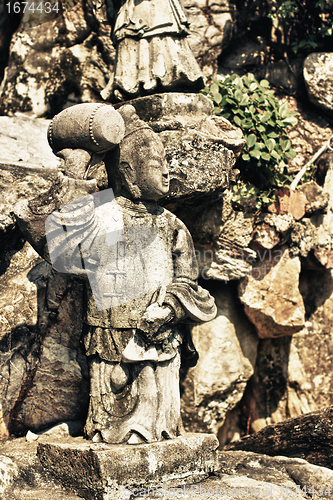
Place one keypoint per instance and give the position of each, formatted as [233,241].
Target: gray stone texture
[70,58]
[240,474]
[318,79]
[101,471]
[270,294]
[228,349]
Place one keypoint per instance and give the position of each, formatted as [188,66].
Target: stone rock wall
[69,58]
[267,356]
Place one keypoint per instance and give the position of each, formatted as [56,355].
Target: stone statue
[138,262]
[153,54]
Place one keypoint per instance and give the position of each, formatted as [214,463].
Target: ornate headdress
[132,122]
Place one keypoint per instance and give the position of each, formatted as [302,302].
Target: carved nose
[165,171]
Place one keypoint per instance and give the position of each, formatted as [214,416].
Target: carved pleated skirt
[148,405]
[156,64]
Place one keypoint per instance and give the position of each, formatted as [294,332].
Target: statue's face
[152,174]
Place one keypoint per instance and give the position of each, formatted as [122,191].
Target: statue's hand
[154,317]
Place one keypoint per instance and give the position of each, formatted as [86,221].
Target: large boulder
[227,348]
[270,294]
[307,437]
[62,60]
[24,139]
[318,69]
[241,474]
[293,374]
[211,28]
[43,373]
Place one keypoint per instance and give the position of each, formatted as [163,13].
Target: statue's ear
[127,171]
[129,179]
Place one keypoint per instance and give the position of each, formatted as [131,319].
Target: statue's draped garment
[153,53]
[131,254]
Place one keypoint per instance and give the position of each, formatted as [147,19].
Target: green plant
[252,106]
[302,25]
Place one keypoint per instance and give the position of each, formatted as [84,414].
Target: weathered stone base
[99,471]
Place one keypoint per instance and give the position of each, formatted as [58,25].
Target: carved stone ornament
[153,54]
[137,261]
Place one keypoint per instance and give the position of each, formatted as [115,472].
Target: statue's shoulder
[108,215]
[173,219]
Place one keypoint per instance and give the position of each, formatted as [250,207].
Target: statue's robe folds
[131,254]
[153,53]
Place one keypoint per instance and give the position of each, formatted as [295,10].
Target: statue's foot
[135,439]
[97,438]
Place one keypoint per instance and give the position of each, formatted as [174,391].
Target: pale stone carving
[139,261]
[153,54]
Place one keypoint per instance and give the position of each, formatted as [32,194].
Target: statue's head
[140,168]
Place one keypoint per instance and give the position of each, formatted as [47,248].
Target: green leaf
[255,153]
[224,101]
[217,97]
[284,110]
[275,155]
[265,156]
[245,100]
[291,154]
[270,144]
[285,144]
[251,140]
[240,112]
[273,135]
[237,121]
[290,121]
[214,88]
[245,156]
[265,83]
[239,95]
[247,124]
[266,116]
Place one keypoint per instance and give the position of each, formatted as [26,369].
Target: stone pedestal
[99,471]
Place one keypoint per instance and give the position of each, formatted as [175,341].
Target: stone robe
[131,254]
[153,54]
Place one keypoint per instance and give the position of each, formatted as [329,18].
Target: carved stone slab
[104,472]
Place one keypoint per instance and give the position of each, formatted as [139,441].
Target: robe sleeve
[60,223]
[184,295]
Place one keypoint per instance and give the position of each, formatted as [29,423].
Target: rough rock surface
[316,232]
[318,79]
[8,473]
[241,474]
[246,55]
[310,133]
[63,60]
[227,347]
[59,388]
[18,182]
[68,58]
[43,373]
[307,436]
[171,462]
[19,345]
[211,26]
[271,296]
[293,374]
[24,139]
